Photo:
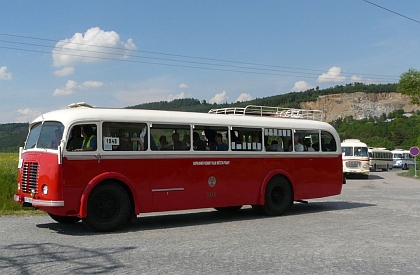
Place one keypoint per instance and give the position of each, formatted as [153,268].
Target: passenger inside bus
[220,146]
[177,144]
[75,141]
[125,142]
[89,139]
[187,141]
[297,145]
[308,146]
[163,143]
[55,142]
[198,144]
[274,146]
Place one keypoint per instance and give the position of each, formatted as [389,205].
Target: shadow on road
[359,177]
[208,216]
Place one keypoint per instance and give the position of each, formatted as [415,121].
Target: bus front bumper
[37,202]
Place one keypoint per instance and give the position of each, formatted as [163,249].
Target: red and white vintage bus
[130,161]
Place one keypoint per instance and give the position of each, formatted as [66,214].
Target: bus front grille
[30,177]
[353,164]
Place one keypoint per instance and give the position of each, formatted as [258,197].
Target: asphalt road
[371,228]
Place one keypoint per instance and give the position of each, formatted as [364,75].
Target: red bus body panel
[178,182]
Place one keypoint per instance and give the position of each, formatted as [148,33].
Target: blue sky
[123,53]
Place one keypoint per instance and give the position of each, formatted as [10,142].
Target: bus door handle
[98,156]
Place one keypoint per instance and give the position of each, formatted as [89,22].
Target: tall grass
[8,186]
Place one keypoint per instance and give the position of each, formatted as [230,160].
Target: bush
[8,180]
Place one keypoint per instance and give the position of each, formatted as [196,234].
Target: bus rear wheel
[108,207]
[64,219]
[278,197]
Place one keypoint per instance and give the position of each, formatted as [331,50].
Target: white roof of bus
[372,149]
[86,114]
[352,142]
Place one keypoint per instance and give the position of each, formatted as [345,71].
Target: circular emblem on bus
[212,181]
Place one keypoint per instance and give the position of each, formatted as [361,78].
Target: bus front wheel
[108,207]
[278,197]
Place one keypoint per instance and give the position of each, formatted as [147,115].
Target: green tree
[410,85]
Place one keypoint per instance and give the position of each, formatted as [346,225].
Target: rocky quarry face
[360,105]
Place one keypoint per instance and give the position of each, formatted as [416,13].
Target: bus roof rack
[80,104]
[270,111]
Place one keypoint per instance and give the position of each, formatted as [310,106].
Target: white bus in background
[380,158]
[402,159]
[355,158]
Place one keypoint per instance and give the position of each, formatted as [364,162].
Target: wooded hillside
[392,130]
[12,136]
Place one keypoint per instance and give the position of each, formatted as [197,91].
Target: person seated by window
[308,146]
[274,146]
[164,144]
[198,144]
[220,146]
[75,141]
[125,141]
[55,142]
[177,144]
[297,145]
[332,146]
[89,139]
[186,140]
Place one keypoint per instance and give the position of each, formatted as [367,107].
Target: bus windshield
[45,135]
[361,151]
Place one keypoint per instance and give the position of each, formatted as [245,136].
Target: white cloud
[219,98]
[5,75]
[72,86]
[27,114]
[65,71]
[92,46]
[333,75]
[178,96]
[301,86]
[183,86]
[356,78]
[92,84]
[62,92]
[244,97]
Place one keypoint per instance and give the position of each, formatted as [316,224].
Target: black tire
[108,207]
[278,196]
[257,208]
[229,208]
[64,219]
[405,166]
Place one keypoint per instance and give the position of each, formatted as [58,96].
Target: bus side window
[123,136]
[328,142]
[246,139]
[170,137]
[75,140]
[275,139]
[205,137]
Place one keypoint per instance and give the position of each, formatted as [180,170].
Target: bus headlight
[18,186]
[45,189]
